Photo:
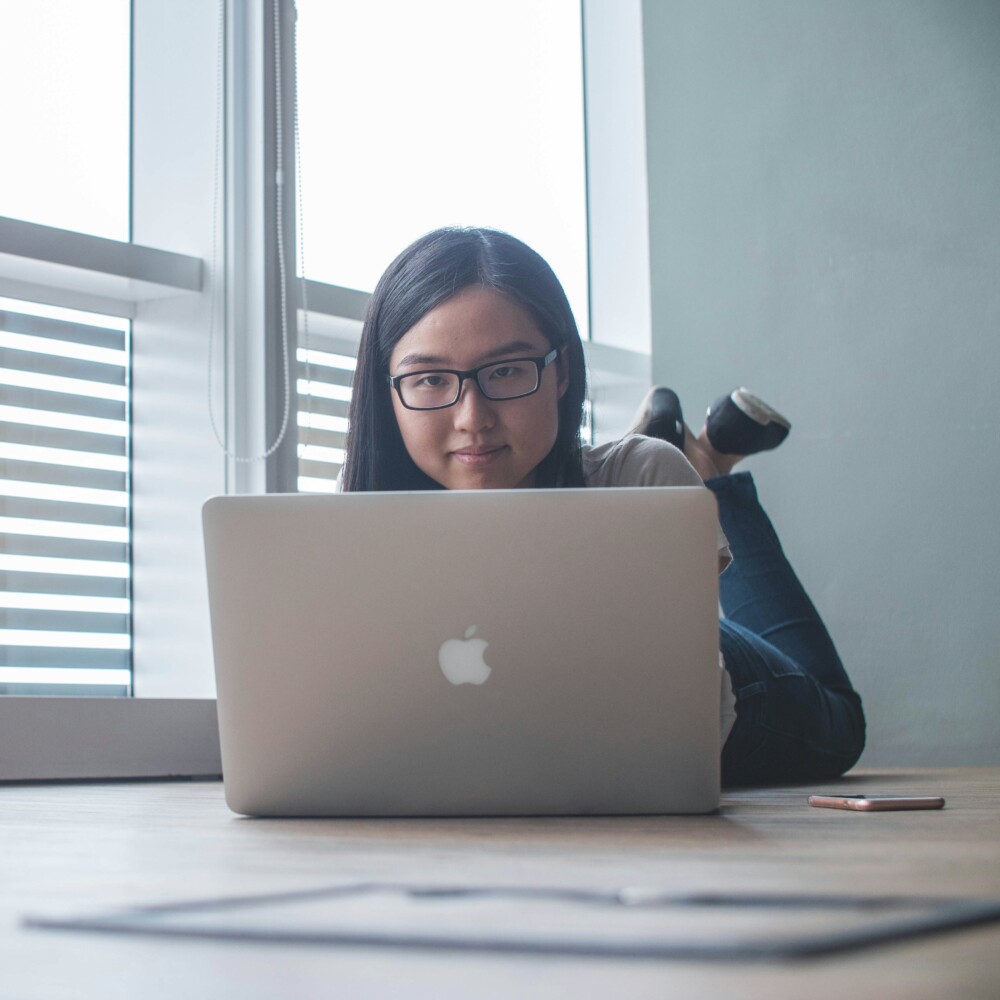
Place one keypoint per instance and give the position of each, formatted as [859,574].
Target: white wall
[824,191]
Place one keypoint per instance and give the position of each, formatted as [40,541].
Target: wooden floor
[84,847]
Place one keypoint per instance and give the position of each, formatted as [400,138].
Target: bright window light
[65,567]
[324,390]
[63,529]
[343,361]
[315,453]
[56,383]
[65,114]
[65,640]
[65,675]
[321,422]
[66,602]
[67,494]
[78,316]
[62,349]
[442,112]
[311,484]
[63,456]
[63,421]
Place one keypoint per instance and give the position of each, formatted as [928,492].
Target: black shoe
[660,416]
[742,424]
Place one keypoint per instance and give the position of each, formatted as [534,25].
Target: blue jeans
[798,718]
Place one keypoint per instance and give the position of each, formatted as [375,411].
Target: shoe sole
[757,410]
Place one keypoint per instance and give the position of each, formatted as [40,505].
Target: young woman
[471,375]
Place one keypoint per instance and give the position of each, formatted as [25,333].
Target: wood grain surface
[81,848]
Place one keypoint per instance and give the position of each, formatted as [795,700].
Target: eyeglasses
[439,388]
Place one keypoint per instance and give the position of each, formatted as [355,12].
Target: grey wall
[824,190]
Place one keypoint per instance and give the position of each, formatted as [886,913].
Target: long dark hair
[427,273]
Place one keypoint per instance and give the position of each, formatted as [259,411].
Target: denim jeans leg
[798,717]
[788,727]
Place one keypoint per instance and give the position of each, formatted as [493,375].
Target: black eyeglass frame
[540,363]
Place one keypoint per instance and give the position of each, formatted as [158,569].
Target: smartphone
[877,803]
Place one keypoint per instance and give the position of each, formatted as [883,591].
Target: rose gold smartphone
[877,803]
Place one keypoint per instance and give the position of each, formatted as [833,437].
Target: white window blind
[65,604]
[324,373]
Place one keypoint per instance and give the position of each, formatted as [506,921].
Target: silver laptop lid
[467,653]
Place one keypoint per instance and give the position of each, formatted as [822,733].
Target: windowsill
[49,265]
[51,739]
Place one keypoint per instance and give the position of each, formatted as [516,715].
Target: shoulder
[636,460]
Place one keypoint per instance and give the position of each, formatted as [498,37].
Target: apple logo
[462,660]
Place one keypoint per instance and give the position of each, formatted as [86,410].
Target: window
[66,133]
[179,246]
[64,410]
[414,116]
[324,392]
[64,502]
[73,288]
[444,112]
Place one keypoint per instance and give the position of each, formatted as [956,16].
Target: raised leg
[798,717]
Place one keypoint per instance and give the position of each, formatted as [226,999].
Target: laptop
[467,653]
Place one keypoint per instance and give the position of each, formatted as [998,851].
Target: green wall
[824,218]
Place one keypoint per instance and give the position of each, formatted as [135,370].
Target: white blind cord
[279,181]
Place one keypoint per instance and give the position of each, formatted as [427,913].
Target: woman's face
[478,443]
